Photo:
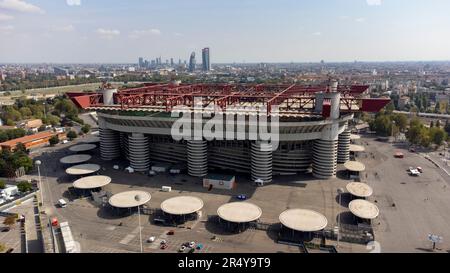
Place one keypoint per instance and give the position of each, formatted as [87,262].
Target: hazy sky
[236,30]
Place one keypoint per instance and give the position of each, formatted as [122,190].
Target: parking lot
[420,206]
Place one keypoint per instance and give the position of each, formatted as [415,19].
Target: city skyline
[77,31]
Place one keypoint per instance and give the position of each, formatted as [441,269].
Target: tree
[72,135]
[53,140]
[437,136]
[21,147]
[25,186]
[2,185]
[86,128]
[401,121]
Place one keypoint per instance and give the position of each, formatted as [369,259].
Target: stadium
[308,126]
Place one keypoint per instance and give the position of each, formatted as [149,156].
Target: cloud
[318,33]
[178,34]
[68,28]
[6,29]
[5,17]
[374,2]
[20,6]
[108,33]
[73,2]
[360,20]
[135,34]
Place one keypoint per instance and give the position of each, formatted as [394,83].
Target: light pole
[340,191]
[138,199]
[38,163]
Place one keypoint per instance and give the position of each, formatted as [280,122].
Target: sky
[120,31]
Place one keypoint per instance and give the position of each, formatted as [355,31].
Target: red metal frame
[289,97]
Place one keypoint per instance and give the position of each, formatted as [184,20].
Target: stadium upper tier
[283,99]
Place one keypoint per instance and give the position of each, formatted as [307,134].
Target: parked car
[199,247]
[192,244]
[242,197]
[163,242]
[182,249]
[151,239]
[164,246]
[171,232]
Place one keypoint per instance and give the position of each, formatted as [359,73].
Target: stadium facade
[308,126]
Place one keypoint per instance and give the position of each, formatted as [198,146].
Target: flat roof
[364,209]
[83,169]
[357,148]
[182,205]
[75,159]
[127,199]
[355,137]
[27,139]
[239,212]
[220,177]
[303,220]
[360,189]
[355,166]
[83,148]
[92,182]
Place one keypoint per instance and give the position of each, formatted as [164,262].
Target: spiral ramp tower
[197,158]
[261,162]
[344,147]
[109,144]
[325,158]
[139,152]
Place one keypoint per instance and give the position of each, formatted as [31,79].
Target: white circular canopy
[239,212]
[355,166]
[360,189]
[91,140]
[75,159]
[128,199]
[357,148]
[182,205]
[83,169]
[364,209]
[82,148]
[303,220]
[92,182]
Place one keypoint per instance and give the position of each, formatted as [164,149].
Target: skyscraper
[141,62]
[206,64]
[192,62]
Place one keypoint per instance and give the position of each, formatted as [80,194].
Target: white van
[62,203]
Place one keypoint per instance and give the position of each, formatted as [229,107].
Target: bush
[53,140]
[25,186]
[72,135]
[86,128]
[2,185]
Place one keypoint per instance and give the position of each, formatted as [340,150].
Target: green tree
[25,186]
[72,135]
[26,112]
[437,136]
[21,147]
[86,128]
[53,140]
[2,184]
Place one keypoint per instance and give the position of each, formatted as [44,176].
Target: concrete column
[261,162]
[325,158]
[197,158]
[344,147]
[109,144]
[139,152]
